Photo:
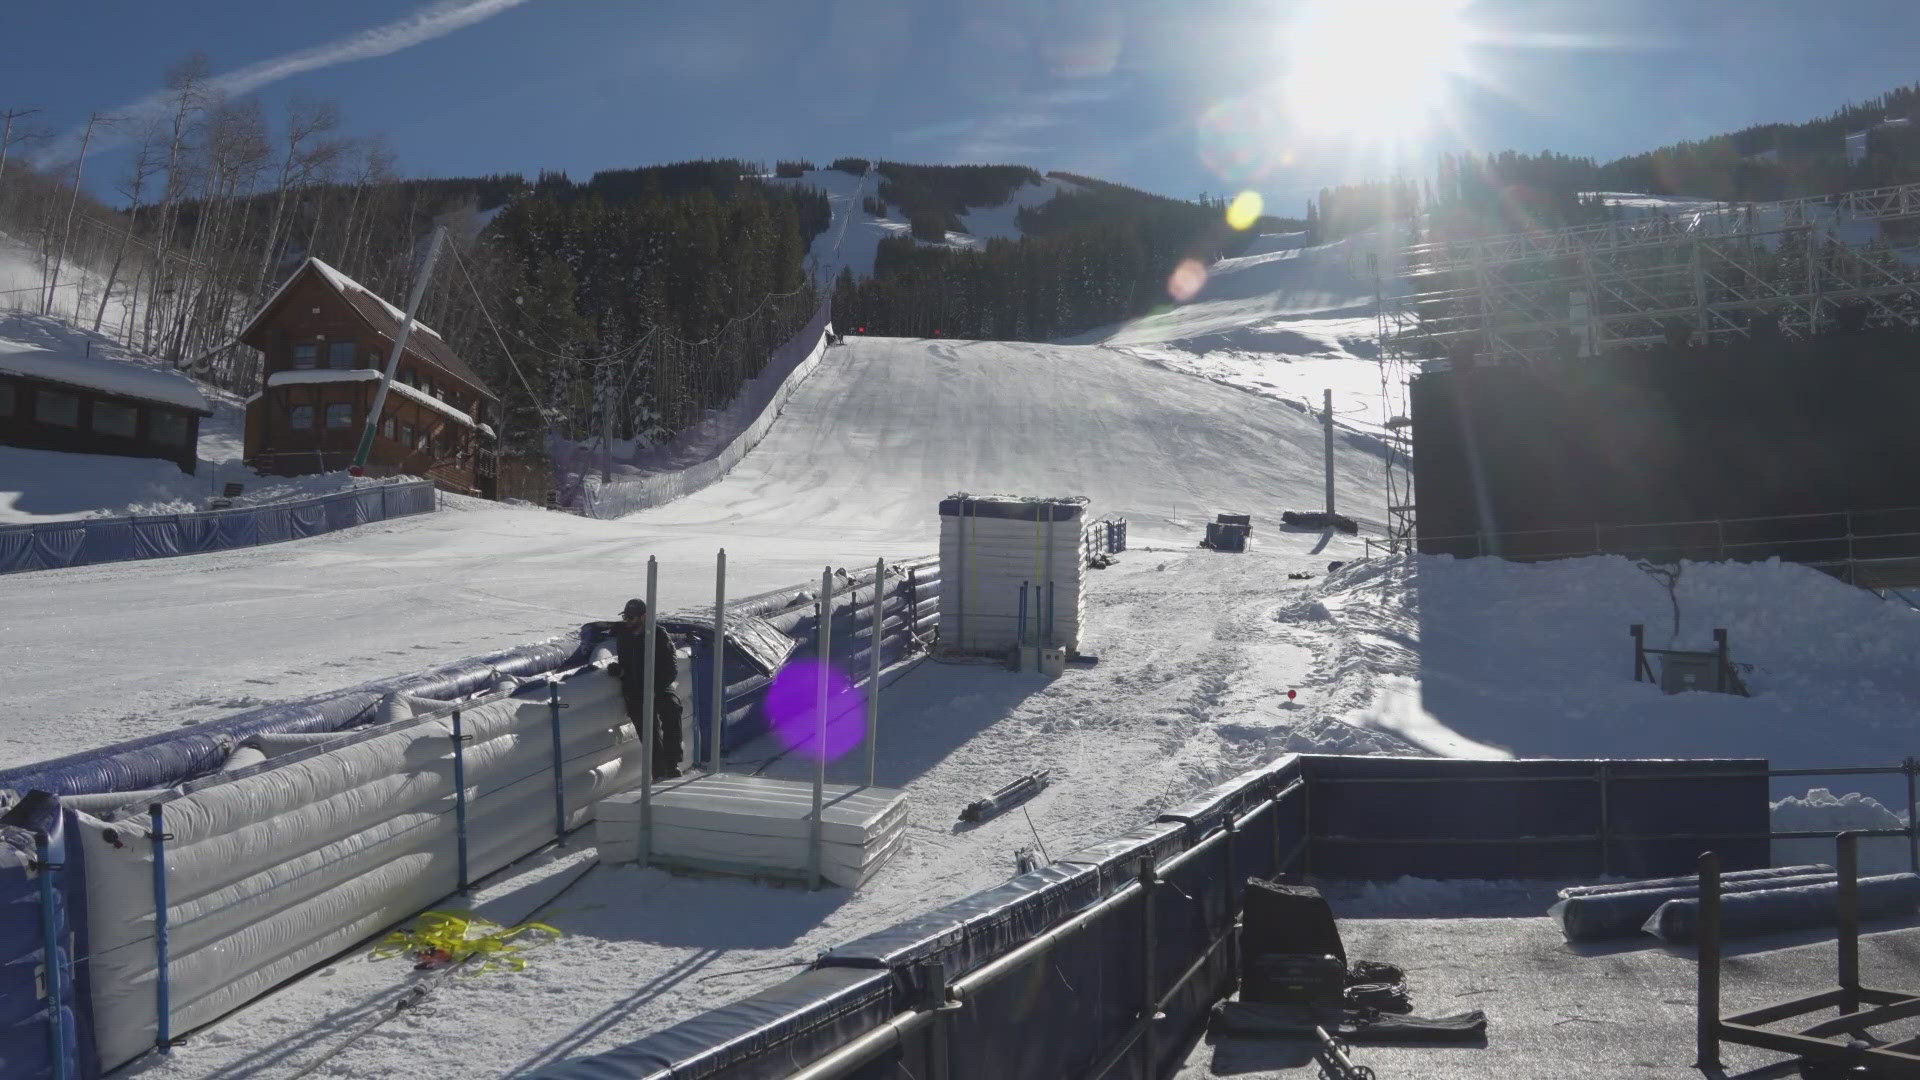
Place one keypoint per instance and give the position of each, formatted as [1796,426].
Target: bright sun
[1372,70]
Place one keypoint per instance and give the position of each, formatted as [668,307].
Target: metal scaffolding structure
[1696,275]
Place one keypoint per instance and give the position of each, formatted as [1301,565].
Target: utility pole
[73,200]
[1327,418]
[399,345]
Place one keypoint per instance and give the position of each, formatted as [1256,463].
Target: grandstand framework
[1703,274]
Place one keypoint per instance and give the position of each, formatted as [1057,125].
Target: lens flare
[1244,210]
[793,703]
[1187,280]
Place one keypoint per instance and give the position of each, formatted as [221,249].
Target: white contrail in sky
[432,21]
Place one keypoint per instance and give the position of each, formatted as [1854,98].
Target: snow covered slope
[852,470]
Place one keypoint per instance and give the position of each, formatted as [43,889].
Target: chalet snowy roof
[64,359]
[329,375]
[424,342]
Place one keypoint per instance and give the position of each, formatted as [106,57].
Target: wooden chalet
[59,393]
[325,339]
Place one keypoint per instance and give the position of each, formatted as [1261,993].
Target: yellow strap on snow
[462,935]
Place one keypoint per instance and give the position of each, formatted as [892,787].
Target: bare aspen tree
[187,91]
[145,163]
[304,150]
[66,233]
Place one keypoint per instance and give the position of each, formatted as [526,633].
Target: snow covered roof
[121,378]
[331,375]
[423,342]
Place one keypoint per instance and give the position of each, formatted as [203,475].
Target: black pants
[666,730]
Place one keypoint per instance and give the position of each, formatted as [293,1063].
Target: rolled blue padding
[1597,917]
[1770,910]
[1693,879]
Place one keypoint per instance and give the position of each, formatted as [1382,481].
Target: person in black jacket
[631,667]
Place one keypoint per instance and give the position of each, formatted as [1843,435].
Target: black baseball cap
[634,607]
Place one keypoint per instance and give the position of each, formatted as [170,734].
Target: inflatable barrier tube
[1601,916]
[1770,910]
[1693,880]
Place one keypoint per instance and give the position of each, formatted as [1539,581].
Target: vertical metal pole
[647,764]
[1020,634]
[1912,766]
[719,654]
[1051,639]
[50,950]
[1606,821]
[1847,908]
[460,800]
[873,676]
[1707,963]
[823,631]
[163,1006]
[1149,981]
[1230,909]
[554,705]
[1329,425]
[1639,632]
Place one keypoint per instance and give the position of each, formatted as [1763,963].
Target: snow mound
[1820,810]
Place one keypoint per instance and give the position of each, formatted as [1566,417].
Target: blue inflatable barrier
[55,544]
[1797,907]
[1599,916]
[45,1023]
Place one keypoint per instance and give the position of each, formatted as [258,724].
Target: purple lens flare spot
[793,703]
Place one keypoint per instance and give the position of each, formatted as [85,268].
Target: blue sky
[1177,96]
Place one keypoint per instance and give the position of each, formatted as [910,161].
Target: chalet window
[420,438]
[167,428]
[120,421]
[54,407]
[388,426]
[6,399]
[406,376]
[340,414]
[340,355]
[406,436]
[300,417]
[305,355]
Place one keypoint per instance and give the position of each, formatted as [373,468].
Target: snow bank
[1535,660]
[1819,810]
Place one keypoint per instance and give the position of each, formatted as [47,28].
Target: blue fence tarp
[57,544]
[27,1046]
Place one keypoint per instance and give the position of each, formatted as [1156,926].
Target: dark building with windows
[326,338]
[53,399]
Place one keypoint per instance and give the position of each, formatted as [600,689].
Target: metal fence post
[1149,982]
[460,796]
[1847,908]
[163,1006]
[554,705]
[823,631]
[1707,963]
[647,719]
[1606,823]
[1230,909]
[873,677]
[1912,766]
[50,949]
[719,659]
